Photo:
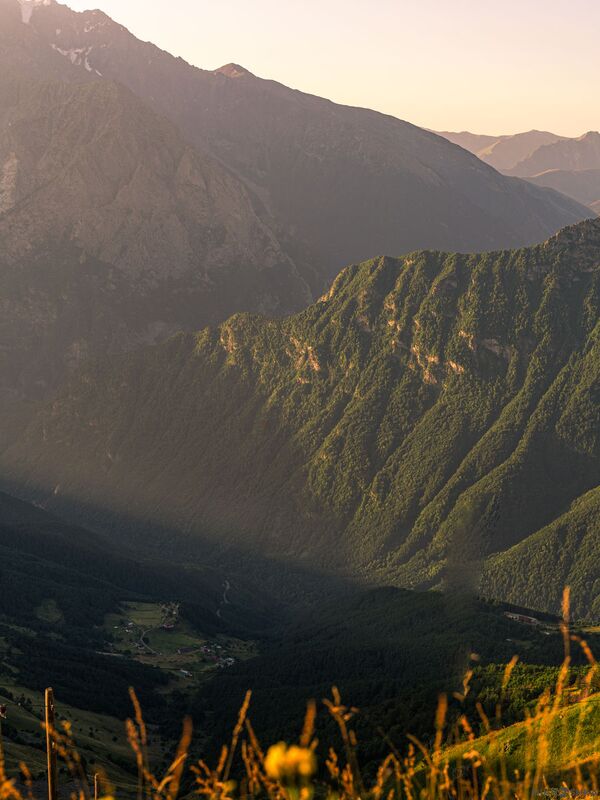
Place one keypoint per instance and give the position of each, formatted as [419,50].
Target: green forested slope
[429,413]
[566,552]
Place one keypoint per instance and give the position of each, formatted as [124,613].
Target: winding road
[225,601]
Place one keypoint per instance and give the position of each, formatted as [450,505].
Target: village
[157,635]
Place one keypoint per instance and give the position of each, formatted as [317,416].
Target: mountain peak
[28,7]
[233,71]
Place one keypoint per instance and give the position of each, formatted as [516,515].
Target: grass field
[99,738]
[48,611]
[550,741]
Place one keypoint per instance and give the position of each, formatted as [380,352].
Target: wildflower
[290,764]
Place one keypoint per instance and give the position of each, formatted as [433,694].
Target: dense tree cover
[427,414]
[570,544]
[390,652]
[80,675]
[44,557]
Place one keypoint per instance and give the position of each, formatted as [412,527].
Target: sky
[488,66]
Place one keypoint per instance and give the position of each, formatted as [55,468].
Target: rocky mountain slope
[432,418]
[115,232]
[502,152]
[342,183]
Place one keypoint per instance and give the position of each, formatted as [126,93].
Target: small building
[523,618]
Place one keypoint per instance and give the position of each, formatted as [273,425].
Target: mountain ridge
[502,152]
[582,153]
[143,196]
[401,422]
[359,182]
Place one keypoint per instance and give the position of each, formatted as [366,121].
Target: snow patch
[29,6]
[78,56]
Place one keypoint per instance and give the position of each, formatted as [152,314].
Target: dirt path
[147,646]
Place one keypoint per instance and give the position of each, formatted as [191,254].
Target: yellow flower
[290,764]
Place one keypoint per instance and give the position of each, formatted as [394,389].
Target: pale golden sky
[489,66]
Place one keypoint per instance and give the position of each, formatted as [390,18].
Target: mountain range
[571,166]
[400,421]
[432,420]
[575,155]
[165,197]
[503,152]
[291,394]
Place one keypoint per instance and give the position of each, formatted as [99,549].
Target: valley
[432,420]
[299,402]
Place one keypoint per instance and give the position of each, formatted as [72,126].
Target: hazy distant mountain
[427,414]
[342,183]
[570,166]
[582,185]
[502,152]
[568,154]
[114,231]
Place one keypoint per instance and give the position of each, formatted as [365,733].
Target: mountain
[115,232]
[569,154]
[570,166]
[428,415]
[140,196]
[582,185]
[570,543]
[502,152]
[342,183]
